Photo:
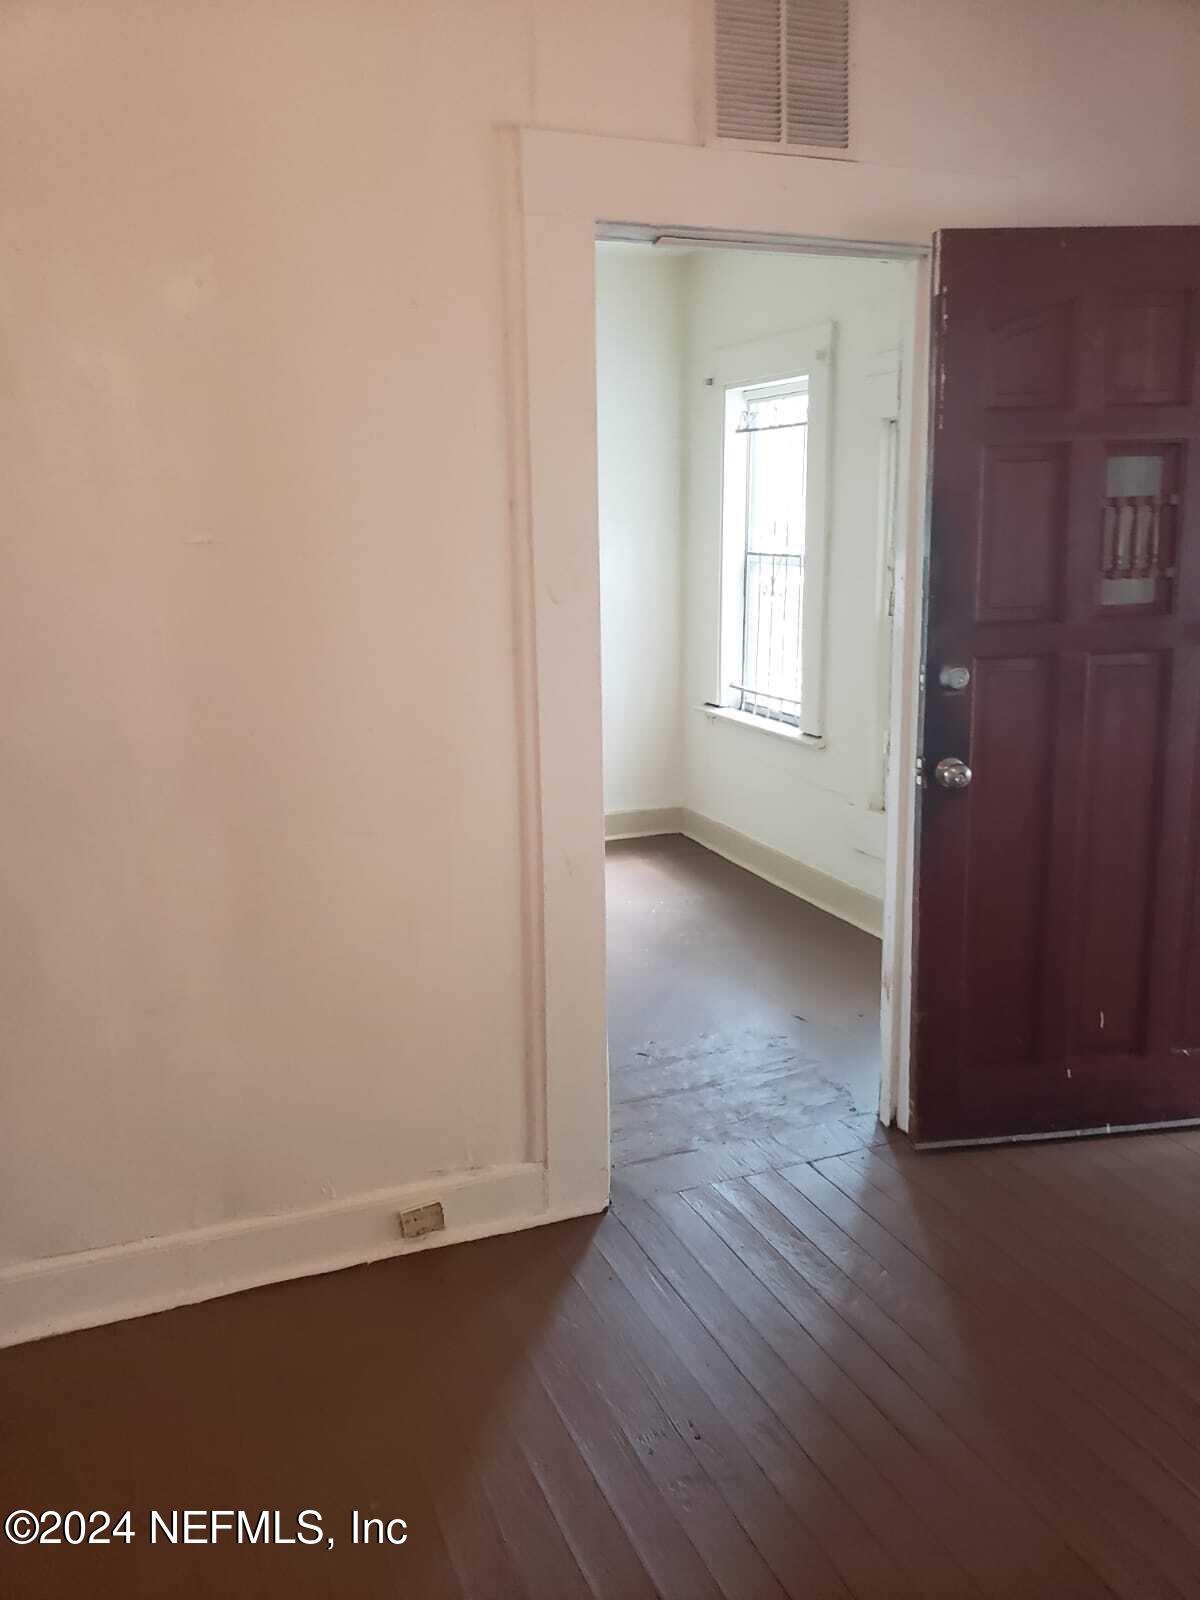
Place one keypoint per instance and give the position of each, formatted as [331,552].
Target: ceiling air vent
[783,72]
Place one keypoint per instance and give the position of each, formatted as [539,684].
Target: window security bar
[771,635]
[748,425]
[753,703]
[762,694]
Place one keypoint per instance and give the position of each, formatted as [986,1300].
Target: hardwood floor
[877,1374]
[796,1359]
[743,1022]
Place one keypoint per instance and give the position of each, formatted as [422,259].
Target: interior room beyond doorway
[749,447]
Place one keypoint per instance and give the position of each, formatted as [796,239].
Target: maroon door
[1058,956]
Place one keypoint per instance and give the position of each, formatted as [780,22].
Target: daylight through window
[767,450]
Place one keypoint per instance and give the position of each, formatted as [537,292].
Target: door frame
[571,186]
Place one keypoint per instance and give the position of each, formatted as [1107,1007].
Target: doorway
[568,186]
[750,439]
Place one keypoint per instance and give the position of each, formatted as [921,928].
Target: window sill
[775,730]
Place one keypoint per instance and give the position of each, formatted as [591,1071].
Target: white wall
[811,804]
[271,892]
[640,349]
[661,319]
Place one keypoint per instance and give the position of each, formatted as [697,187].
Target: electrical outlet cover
[421,1220]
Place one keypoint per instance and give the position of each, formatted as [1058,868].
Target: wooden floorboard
[835,1528]
[930,1509]
[884,1357]
[758,1233]
[744,1023]
[1117,1316]
[1137,1239]
[875,1374]
[1033,1354]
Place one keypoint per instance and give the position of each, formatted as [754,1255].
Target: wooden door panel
[1029,358]
[1180,953]
[1185,1036]
[1023,497]
[1058,971]
[1119,829]
[1149,349]
[1012,731]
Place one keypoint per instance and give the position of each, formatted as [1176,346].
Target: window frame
[758,366]
[738,402]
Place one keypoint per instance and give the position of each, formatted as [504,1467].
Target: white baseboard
[130,1280]
[643,824]
[842,900]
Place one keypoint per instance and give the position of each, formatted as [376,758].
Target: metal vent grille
[783,71]
[817,68]
[749,41]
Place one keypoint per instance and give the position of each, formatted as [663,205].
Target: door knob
[952,773]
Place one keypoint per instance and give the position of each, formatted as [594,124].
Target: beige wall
[264,729]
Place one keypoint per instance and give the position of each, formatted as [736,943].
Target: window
[1138,533]
[774,445]
[768,431]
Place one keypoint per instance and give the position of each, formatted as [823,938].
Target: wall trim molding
[86,1288]
[819,888]
[642,824]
